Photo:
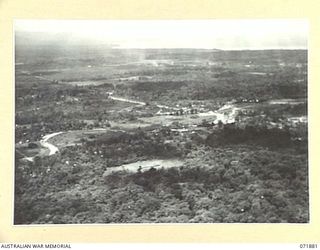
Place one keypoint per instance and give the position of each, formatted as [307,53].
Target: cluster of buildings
[181,111]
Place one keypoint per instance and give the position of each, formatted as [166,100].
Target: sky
[206,34]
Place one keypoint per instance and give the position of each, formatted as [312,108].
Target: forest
[251,167]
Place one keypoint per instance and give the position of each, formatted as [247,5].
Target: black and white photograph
[161,121]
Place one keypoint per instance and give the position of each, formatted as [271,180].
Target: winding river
[44,143]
